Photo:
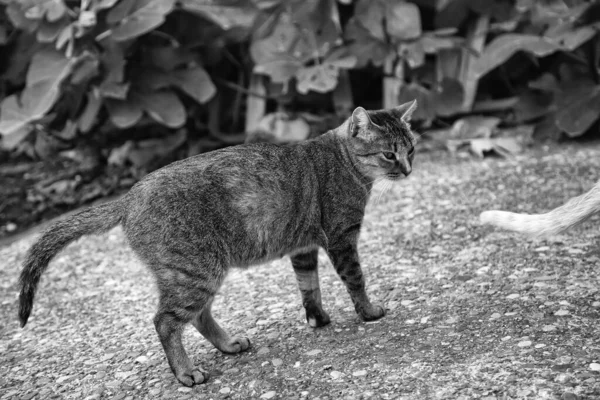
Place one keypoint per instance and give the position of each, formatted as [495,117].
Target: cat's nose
[405,167]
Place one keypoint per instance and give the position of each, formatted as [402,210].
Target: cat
[192,220]
[573,212]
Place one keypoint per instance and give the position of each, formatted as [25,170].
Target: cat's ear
[360,120]
[406,110]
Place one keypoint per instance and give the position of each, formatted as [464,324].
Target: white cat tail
[573,212]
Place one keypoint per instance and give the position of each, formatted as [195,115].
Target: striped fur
[575,211]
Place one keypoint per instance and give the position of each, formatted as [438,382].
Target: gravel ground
[474,313]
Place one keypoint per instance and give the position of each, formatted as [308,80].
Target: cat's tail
[553,222]
[92,220]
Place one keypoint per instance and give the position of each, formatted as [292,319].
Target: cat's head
[383,142]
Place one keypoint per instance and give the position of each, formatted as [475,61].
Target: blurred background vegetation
[106,90]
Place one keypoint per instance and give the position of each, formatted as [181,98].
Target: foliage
[83,67]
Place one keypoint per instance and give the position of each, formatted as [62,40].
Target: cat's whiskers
[375,183]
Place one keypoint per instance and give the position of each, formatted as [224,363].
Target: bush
[77,69]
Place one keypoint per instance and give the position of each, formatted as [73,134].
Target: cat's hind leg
[186,287]
[307,274]
[210,329]
[169,327]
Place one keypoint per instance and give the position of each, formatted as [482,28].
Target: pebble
[263,350]
[313,352]
[569,396]
[561,313]
[269,395]
[141,359]
[595,367]
[524,343]
[336,374]
[277,362]
[362,372]
[225,390]
[65,379]
[596,304]
[540,345]
[495,316]
[548,328]
[513,296]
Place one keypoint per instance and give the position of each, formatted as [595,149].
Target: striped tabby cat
[193,220]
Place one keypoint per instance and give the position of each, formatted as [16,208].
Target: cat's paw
[191,377]
[371,313]
[317,319]
[236,345]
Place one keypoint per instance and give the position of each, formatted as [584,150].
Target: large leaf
[577,116]
[90,112]
[323,77]
[163,106]
[124,113]
[16,15]
[365,47]
[280,71]
[225,13]
[195,82]
[371,14]
[47,71]
[134,18]
[402,20]
[504,46]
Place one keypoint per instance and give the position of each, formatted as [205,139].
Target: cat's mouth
[394,177]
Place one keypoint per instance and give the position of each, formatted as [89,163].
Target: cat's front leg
[307,274]
[347,265]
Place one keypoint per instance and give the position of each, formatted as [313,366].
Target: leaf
[370,14]
[162,106]
[17,17]
[86,69]
[195,82]
[97,5]
[425,99]
[579,115]
[572,39]
[138,17]
[449,97]
[144,152]
[124,113]
[225,13]
[9,142]
[90,112]
[279,44]
[502,146]
[168,58]
[473,127]
[364,46]
[280,71]
[323,77]
[504,46]
[279,127]
[402,20]
[114,90]
[54,10]
[69,131]
[413,53]
[47,71]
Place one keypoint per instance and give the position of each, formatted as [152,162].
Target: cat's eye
[389,155]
